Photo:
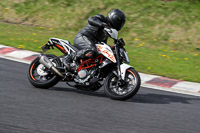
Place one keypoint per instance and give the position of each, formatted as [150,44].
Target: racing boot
[85,54]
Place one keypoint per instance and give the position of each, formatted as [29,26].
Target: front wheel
[125,91]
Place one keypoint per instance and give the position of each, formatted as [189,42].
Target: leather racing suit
[93,32]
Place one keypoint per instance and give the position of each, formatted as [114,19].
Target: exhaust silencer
[47,63]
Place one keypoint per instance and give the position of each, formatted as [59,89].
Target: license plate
[45,47]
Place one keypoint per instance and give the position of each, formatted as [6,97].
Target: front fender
[123,68]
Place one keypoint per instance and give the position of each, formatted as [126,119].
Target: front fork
[120,81]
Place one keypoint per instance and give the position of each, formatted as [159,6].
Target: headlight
[124,56]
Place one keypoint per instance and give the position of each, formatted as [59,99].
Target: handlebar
[113,33]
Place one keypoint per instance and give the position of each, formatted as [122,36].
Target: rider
[85,40]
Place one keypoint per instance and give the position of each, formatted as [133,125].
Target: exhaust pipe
[47,63]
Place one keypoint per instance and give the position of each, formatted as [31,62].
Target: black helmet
[117,19]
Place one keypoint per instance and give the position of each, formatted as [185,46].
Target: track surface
[25,109]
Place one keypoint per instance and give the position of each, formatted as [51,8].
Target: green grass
[162,37]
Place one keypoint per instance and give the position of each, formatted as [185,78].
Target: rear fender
[63,45]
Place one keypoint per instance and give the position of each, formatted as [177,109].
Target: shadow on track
[162,99]
[150,98]
[99,93]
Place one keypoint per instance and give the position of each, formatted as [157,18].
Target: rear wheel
[125,91]
[42,77]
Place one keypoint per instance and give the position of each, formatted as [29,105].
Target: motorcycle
[108,69]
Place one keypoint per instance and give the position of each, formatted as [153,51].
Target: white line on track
[14,59]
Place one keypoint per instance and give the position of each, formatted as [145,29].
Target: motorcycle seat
[73,47]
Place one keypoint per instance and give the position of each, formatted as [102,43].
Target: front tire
[41,77]
[126,91]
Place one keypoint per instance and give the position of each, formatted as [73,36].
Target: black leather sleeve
[105,41]
[97,20]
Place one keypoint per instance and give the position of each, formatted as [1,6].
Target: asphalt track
[25,109]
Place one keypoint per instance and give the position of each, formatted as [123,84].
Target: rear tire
[125,92]
[49,79]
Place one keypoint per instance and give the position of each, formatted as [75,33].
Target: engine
[84,76]
[87,69]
